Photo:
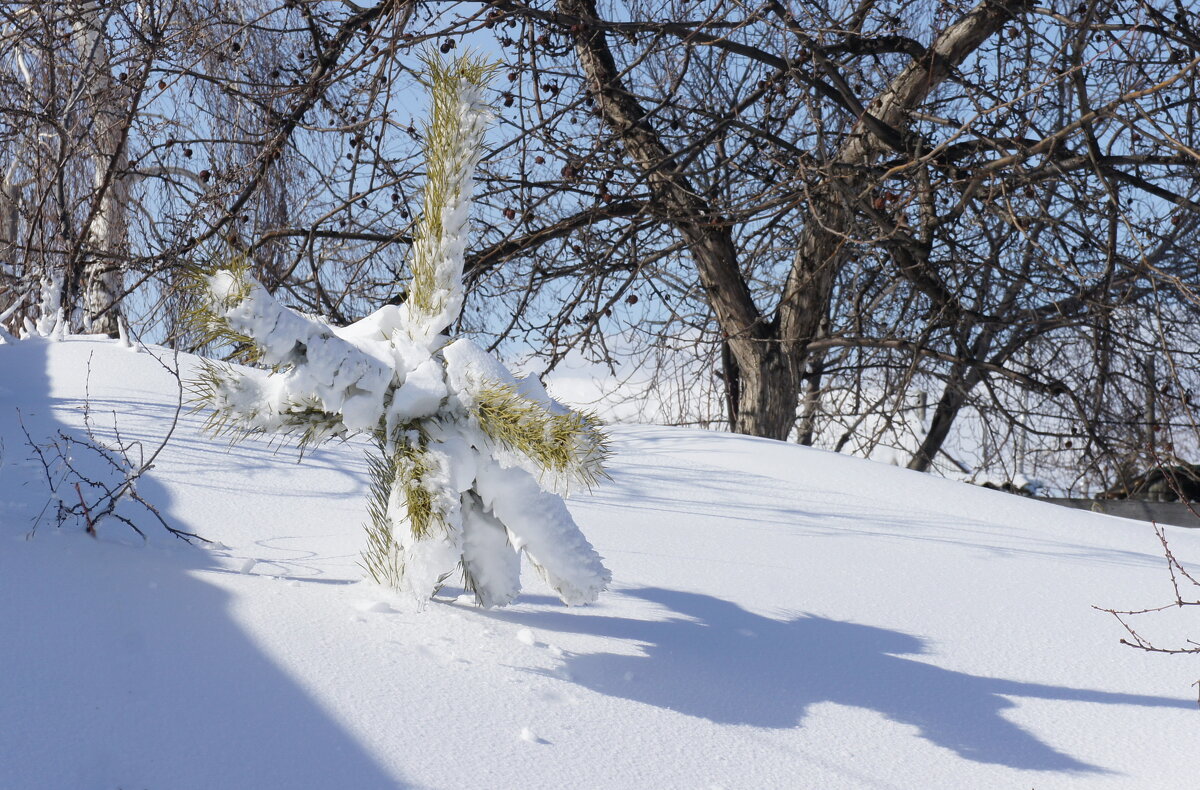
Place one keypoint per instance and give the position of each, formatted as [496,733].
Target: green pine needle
[203,313]
[570,445]
[402,465]
[443,158]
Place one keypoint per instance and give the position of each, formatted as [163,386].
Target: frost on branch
[470,461]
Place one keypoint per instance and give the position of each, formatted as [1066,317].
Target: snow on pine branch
[453,147]
[470,460]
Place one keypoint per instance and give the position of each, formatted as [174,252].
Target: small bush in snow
[471,460]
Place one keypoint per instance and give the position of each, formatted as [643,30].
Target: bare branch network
[959,235]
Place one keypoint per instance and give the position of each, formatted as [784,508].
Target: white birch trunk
[107,237]
[10,273]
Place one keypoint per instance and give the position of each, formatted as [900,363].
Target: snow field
[780,617]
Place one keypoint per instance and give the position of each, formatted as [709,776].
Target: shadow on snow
[715,660]
[122,668]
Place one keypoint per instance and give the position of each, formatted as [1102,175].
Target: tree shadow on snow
[715,660]
[122,668]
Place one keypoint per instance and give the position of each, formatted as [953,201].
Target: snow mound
[784,618]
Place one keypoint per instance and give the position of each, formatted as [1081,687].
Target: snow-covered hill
[780,617]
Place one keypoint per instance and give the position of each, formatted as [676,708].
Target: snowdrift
[779,617]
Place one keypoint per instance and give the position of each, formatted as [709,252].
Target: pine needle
[570,445]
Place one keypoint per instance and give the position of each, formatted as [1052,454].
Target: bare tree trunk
[767,385]
[731,377]
[964,375]
[10,228]
[15,286]
[810,404]
[768,393]
[962,380]
[10,222]
[823,248]
[107,235]
[770,354]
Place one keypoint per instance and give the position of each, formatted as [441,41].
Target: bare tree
[862,225]
[141,138]
[868,197]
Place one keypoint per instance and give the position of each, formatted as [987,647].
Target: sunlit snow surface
[780,617]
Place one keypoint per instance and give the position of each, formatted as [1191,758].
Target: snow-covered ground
[780,617]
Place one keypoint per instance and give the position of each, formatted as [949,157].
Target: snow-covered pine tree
[471,461]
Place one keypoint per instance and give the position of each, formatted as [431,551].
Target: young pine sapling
[470,460]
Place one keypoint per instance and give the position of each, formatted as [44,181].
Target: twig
[91,525]
[59,466]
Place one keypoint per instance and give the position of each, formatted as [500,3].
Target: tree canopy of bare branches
[996,201]
[875,222]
